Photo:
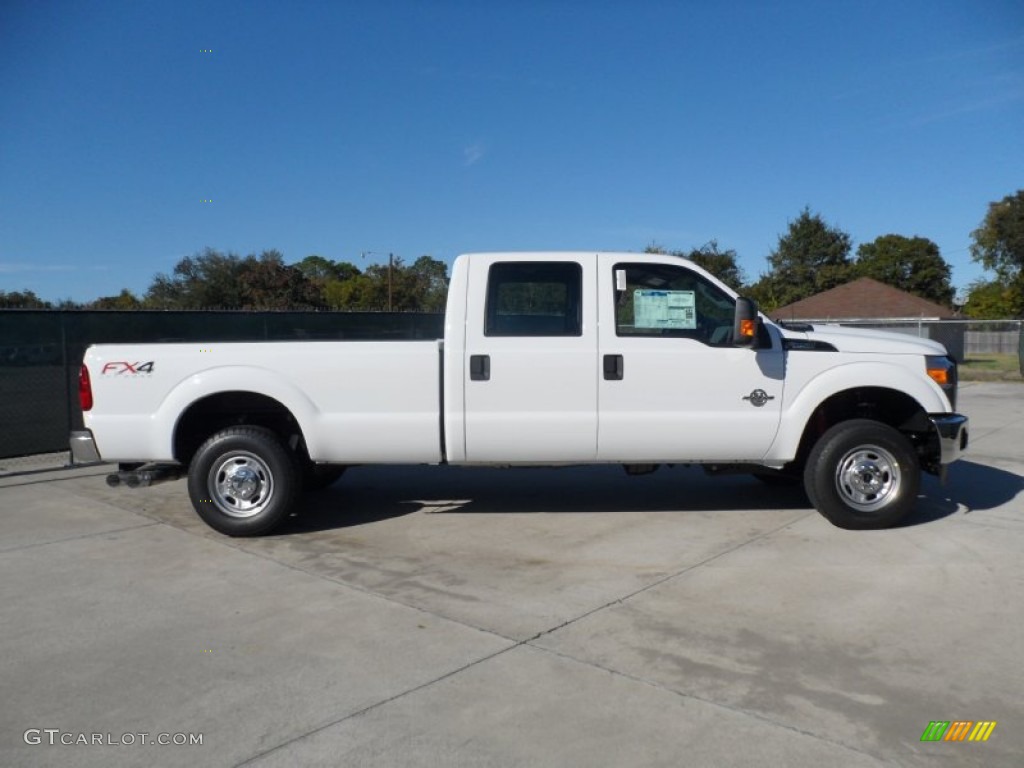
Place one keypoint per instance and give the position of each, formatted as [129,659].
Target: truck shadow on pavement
[970,488]
[368,495]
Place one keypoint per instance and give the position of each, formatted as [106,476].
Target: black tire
[863,474]
[243,481]
[319,476]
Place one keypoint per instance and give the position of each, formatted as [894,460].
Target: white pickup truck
[547,359]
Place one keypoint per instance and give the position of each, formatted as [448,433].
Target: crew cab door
[673,387]
[530,363]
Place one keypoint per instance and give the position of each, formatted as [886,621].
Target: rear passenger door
[531,361]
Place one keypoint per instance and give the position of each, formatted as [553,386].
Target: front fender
[801,403]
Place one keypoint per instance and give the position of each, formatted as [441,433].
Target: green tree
[341,284]
[912,264]
[22,300]
[810,258]
[989,300]
[355,293]
[266,282]
[999,246]
[722,264]
[316,268]
[212,279]
[124,300]
[225,280]
[204,281]
[426,281]
[383,291]
[321,270]
[419,287]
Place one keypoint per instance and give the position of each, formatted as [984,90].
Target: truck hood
[865,340]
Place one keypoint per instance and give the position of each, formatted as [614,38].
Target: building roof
[862,299]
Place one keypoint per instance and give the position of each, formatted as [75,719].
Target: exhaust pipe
[145,477]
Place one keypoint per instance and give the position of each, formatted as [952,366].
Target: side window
[533,298]
[669,300]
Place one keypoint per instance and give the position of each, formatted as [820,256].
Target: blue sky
[448,126]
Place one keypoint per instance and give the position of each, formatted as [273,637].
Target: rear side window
[534,298]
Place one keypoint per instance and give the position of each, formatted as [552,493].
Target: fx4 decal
[120,367]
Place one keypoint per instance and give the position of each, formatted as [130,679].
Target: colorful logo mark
[958,730]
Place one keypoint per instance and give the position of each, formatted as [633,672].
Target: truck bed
[355,401]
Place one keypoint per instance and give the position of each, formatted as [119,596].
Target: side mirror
[745,324]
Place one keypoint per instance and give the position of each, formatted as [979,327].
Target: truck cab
[607,358]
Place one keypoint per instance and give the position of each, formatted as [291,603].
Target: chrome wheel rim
[241,484]
[868,478]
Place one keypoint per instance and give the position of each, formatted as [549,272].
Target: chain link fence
[985,349]
[42,350]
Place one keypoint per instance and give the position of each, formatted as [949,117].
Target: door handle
[613,367]
[480,367]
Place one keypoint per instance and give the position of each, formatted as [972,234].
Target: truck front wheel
[243,481]
[863,474]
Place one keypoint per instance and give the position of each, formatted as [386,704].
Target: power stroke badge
[758,398]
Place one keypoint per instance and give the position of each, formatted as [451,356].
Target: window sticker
[664,309]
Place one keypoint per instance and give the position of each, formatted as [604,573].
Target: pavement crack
[710,702]
[675,575]
[36,477]
[378,704]
[80,537]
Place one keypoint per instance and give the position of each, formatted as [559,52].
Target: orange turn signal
[940,376]
[747,329]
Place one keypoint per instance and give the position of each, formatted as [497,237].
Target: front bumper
[951,433]
[83,447]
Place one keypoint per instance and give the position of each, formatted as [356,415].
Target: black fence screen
[41,351]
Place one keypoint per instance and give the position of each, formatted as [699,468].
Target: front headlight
[942,370]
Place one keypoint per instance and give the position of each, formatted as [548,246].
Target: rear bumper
[83,447]
[951,431]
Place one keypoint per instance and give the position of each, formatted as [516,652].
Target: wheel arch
[224,395]
[214,412]
[832,391]
[883,404]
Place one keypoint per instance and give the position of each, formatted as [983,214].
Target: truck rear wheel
[243,481]
[863,474]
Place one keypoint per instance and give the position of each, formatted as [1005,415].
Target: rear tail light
[84,389]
